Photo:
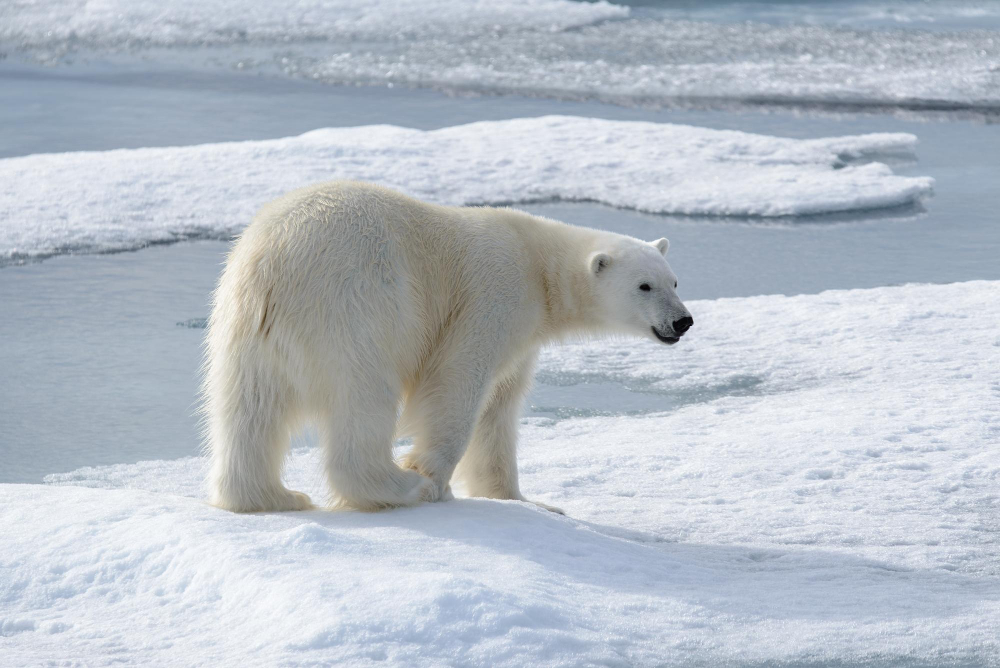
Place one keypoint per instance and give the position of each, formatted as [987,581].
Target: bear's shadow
[793,582]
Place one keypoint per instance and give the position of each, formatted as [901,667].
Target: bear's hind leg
[246,410]
[358,439]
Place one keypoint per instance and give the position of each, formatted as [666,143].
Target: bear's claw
[295,501]
[545,506]
[434,492]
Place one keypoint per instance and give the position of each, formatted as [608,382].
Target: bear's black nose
[683,325]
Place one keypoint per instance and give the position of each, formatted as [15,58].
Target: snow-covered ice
[696,63]
[66,24]
[124,199]
[939,15]
[820,488]
[746,53]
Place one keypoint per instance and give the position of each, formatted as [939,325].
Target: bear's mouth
[669,340]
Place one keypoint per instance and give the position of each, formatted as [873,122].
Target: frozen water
[844,512]
[125,199]
[785,54]
[698,63]
[56,24]
[909,14]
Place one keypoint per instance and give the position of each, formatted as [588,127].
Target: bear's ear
[662,245]
[598,262]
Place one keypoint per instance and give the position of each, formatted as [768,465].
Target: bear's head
[636,290]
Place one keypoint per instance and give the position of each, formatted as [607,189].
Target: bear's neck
[559,253]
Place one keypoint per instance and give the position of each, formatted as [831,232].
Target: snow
[922,14]
[71,24]
[690,63]
[745,54]
[819,487]
[125,199]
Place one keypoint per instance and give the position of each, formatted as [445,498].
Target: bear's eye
[645,287]
[675,285]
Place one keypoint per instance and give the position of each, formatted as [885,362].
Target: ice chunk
[844,513]
[60,24]
[124,199]
[557,48]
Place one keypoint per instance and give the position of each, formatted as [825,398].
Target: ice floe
[761,54]
[124,199]
[843,512]
[689,63]
[67,24]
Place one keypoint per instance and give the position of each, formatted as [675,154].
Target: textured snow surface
[134,23]
[592,50]
[123,199]
[690,62]
[821,487]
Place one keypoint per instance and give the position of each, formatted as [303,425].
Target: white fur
[343,300]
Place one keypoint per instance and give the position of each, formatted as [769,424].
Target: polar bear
[344,301]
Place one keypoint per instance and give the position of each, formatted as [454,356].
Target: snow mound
[124,199]
[844,512]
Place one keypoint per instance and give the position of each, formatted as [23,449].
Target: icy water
[99,356]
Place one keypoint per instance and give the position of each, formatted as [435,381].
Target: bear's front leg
[489,467]
[445,423]
[441,489]
[445,405]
